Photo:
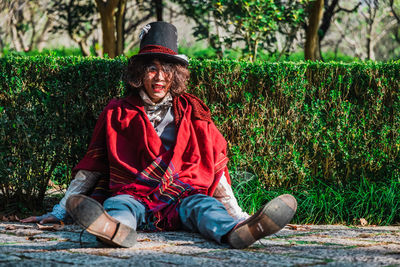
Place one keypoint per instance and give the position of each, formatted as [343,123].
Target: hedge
[289,124]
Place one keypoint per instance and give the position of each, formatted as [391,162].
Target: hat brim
[182,59]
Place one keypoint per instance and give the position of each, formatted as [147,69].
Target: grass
[321,203]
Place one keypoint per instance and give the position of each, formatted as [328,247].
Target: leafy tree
[24,24]
[252,23]
[77,18]
[111,17]
[202,13]
[116,25]
[369,15]
[331,9]
[256,22]
[367,33]
[395,11]
[137,13]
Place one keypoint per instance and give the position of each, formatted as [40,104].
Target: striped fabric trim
[96,153]
[157,49]
[163,176]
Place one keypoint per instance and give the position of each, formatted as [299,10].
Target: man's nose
[160,75]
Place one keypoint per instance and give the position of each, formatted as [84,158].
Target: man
[162,159]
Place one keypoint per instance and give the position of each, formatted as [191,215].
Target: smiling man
[159,162]
[157,80]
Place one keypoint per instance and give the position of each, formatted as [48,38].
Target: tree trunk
[370,44]
[370,26]
[1,44]
[311,48]
[119,19]
[15,39]
[327,18]
[85,49]
[107,12]
[159,10]
[42,36]
[255,50]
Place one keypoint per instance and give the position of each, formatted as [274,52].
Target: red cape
[126,148]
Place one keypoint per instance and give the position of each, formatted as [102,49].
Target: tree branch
[347,39]
[393,11]
[388,27]
[326,19]
[133,26]
[348,10]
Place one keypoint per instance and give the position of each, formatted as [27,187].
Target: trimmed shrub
[290,124]
[48,110]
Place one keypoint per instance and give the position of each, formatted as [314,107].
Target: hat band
[157,49]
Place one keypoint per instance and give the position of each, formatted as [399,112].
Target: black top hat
[160,39]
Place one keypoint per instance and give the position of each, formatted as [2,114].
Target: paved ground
[317,245]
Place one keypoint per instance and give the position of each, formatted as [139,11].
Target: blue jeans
[198,213]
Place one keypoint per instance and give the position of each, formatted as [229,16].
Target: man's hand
[47,218]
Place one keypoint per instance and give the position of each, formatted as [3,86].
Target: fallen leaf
[365,235]
[10,227]
[45,227]
[144,240]
[298,227]
[54,227]
[59,227]
[363,222]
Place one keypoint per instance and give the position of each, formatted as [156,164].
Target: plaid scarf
[156,111]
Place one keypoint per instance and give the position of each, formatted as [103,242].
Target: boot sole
[267,221]
[91,215]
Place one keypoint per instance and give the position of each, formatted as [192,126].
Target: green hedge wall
[296,122]
[48,110]
[289,124]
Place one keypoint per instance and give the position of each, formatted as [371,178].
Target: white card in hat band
[144,31]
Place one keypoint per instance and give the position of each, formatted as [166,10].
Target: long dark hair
[137,68]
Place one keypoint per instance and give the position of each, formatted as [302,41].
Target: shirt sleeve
[224,194]
[83,182]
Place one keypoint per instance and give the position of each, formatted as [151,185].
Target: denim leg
[126,210]
[205,214]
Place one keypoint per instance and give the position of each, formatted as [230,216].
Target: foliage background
[363,29]
[327,132]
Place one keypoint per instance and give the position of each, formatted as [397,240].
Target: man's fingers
[29,219]
[49,220]
[43,221]
[40,219]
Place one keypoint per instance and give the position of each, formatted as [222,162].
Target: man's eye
[152,69]
[167,68]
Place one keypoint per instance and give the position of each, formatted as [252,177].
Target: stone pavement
[316,245]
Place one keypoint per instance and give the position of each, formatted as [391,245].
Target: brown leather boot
[267,221]
[91,215]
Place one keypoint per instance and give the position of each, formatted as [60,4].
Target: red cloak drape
[128,151]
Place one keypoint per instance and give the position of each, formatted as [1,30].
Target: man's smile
[158,87]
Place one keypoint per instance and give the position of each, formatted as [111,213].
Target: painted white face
[157,80]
